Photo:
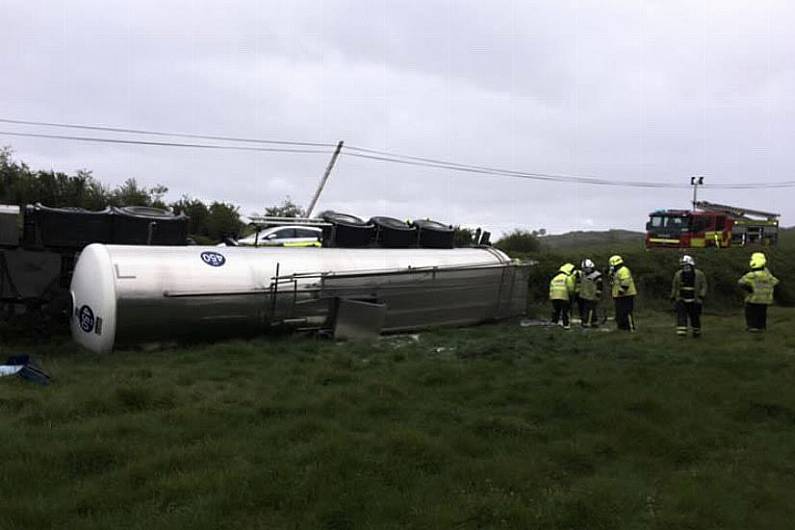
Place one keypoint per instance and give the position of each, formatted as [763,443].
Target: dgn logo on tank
[85,317]
[213,259]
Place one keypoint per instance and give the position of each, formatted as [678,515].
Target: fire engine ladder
[736,211]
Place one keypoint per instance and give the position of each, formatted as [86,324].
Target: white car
[284,235]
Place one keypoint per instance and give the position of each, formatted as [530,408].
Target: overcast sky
[654,91]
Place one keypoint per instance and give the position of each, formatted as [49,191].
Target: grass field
[496,426]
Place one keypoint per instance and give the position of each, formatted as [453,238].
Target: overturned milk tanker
[132,294]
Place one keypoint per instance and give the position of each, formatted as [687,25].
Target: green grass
[496,426]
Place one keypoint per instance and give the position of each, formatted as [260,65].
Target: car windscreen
[303,232]
[284,233]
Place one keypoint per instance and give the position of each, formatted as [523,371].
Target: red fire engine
[711,225]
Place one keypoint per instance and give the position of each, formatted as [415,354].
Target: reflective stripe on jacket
[590,286]
[696,293]
[762,284]
[623,284]
[561,287]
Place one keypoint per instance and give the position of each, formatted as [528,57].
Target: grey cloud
[642,90]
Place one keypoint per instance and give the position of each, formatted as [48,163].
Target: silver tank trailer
[132,294]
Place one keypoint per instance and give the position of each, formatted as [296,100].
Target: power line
[162,144]
[523,175]
[161,133]
[442,164]
[761,185]
[360,152]
[386,156]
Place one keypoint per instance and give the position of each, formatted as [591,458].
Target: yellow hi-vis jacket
[762,284]
[623,284]
[561,287]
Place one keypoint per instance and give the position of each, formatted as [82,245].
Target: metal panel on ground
[358,320]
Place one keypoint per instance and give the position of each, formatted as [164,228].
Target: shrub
[519,242]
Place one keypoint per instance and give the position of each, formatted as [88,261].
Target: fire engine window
[720,223]
[674,222]
[699,224]
[656,221]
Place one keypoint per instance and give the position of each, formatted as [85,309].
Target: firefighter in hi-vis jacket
[759,284]
[687,292]
[624,292]
[561,292]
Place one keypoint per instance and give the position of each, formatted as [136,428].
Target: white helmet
[587,264]
[687,260]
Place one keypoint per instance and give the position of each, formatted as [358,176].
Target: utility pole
[696,182]
[323,180]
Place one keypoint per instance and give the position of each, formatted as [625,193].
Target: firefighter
[624,293]
[687,292]
[561,291]
[588,286]
[759,284]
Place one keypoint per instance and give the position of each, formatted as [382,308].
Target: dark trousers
[688,311]
[587,312]
[756,317]
[560,311]
[624,318]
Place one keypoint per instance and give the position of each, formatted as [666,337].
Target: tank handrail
[199,294]
[186,294]
[408,270]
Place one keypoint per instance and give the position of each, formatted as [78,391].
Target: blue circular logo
[213,259]
[86,318]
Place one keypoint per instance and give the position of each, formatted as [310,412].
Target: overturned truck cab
[122,295]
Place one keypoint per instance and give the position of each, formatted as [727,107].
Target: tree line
[209,221]
[21,185]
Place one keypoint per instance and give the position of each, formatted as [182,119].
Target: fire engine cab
[711,225]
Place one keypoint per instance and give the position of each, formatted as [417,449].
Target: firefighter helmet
[758,260]
[615,261]
[566,268]
[687,260]
[587,265]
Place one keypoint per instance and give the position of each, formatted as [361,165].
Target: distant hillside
[786,237]
[587,240]
[582,239]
